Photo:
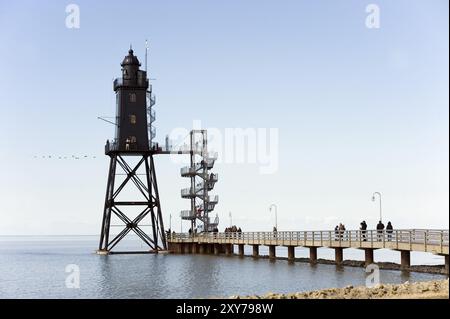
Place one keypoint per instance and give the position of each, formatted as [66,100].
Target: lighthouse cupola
[131,107]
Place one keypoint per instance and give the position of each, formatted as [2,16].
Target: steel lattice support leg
[157,204]
[149,189]
[104,235]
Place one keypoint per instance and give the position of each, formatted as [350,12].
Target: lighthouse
[131,165]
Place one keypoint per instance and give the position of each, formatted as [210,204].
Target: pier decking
[404,241]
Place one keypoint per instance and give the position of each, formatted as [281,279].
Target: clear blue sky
[358,110]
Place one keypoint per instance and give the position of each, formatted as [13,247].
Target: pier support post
[255,251]
[228,249]
[216,249]
[368,252]
[338,255]
[291,253]
[446,264]
[313,255]
[272,254]
[241,250]
[201,248]
[405,259]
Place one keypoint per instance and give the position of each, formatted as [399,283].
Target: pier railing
[436,241]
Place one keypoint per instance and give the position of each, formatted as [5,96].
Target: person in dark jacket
[380,228]
[363,229]
[389,231]
[341,231]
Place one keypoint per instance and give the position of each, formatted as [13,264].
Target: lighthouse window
[133,119]
[133,97]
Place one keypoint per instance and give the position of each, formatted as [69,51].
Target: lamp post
[379,197]
[276,217]
[170,226]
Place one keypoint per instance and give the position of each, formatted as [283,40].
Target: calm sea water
[35,267]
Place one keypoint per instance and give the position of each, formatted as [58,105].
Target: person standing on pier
[389,230]
[363,229]
[380,229]
[341,231]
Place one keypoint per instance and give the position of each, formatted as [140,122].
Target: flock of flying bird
[64,157]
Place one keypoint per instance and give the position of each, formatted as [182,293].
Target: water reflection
[405,275]
[34,270]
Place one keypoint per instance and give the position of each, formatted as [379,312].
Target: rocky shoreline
[430,269]
[419,290]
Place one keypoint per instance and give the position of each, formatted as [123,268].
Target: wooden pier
[404,241]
